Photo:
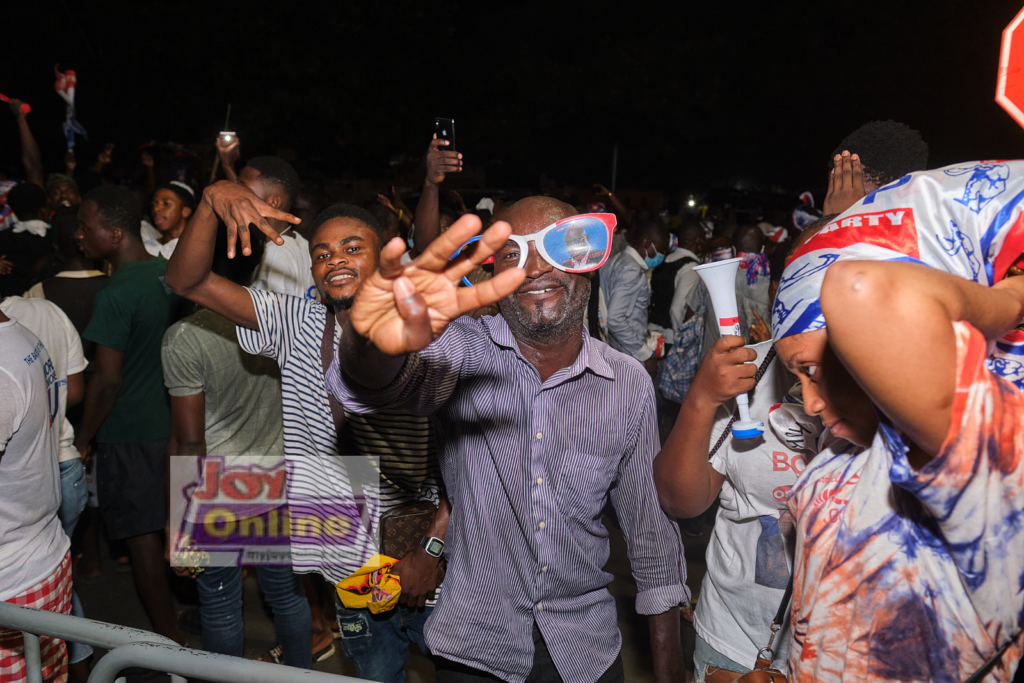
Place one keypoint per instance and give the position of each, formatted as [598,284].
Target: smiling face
[94,239]
[344,251]
[62,193]
[550,302]
[169,212]
[829,391]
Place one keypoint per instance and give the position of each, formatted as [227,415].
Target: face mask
[654,261]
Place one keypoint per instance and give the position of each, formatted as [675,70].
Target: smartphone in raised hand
[445,130]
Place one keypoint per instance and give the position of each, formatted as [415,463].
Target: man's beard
[521,325]
[342,304]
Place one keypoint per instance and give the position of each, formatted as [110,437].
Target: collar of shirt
[681,253]
[79,274]
[589,357]
[636,254]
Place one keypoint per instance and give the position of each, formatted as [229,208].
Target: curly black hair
[118,207]
[346,211]
[277,172]
[888,150]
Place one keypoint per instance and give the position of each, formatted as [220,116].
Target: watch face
[434,547]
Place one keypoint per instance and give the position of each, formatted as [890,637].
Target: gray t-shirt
[242,391]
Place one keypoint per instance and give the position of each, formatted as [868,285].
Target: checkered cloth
[682,362]
[54,595]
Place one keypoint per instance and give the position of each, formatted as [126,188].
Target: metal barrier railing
[134,647]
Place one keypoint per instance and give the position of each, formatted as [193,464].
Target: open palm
[403,309]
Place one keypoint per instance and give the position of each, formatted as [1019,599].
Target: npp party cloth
[964,219]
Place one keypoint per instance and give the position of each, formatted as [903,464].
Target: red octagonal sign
[1010,90]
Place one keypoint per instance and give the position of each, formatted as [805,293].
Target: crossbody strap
[990,664]
[338,413]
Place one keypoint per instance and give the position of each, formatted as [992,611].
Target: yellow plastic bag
[372,586]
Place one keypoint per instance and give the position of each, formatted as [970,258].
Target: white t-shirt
[32,542]
[286,269]
[53,327]
[751,549]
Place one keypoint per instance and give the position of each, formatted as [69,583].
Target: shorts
[131,479]
[52,594]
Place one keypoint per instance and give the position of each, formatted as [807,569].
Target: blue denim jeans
[704,656]
[220,611]
[379,643]
[73,494]
[72,501]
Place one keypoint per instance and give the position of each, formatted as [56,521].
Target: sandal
[276,655]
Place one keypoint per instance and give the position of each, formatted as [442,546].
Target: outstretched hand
[402,309]
[845,183]
[239,208]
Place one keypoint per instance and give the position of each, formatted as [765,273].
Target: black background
[695,94]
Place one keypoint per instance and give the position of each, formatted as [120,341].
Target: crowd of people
[415,425]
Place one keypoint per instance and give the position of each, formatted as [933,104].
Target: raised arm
[30,155]
[229,153]
[687,483]
[616,205]
[189,271]
[891,325]
[428,216]
[401,310]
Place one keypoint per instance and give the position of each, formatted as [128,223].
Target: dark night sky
[694,93]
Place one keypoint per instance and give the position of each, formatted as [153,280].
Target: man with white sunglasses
[538,425]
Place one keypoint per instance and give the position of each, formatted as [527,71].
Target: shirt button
[544,569]
[541,525]
[540,480]
[540,606]
[540,435]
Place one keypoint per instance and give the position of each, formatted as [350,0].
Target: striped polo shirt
[290,331]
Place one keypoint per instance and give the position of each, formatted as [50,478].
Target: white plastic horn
[720,279]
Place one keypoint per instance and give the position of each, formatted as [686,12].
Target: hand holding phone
[445,130]
[441,159]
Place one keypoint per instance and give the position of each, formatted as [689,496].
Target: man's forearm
[193,257]
[428,218]
[666,647]
[439,527]
[682,473]
[229,170]
[363,362]
[30,155]
[100,396]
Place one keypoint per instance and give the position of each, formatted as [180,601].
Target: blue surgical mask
[654,261]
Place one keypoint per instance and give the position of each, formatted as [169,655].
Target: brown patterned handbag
[401,529]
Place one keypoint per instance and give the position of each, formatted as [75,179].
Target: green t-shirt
[130,314]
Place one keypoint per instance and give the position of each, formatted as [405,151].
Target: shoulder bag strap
[338,412]
[990,664]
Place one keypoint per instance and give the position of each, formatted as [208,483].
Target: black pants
[543,671]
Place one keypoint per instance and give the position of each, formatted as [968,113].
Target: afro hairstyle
[888,150]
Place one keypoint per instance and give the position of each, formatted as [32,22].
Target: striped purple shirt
[529,466]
